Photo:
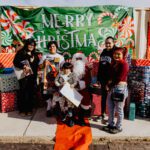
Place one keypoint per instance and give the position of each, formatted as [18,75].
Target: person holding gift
[67,107]
[52,63]
[27,60]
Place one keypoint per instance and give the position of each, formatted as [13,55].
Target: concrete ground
[40,129]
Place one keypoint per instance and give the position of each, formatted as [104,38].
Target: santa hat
[79,54]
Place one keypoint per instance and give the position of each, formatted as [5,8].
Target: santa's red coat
[86,101]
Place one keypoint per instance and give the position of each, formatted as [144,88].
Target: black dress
[27,84]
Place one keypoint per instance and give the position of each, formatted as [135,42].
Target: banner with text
[79,28]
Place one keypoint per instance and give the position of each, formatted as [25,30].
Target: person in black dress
[28,83]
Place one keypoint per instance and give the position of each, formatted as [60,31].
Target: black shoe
[115,130]
[69,114]
[70,123]
[49,113]
[101,117]
[108,128]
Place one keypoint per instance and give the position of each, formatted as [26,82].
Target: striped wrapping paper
[140,62]
[6,60]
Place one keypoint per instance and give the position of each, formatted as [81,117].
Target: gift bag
[7,101]
[96,104]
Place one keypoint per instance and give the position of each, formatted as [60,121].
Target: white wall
[141,21]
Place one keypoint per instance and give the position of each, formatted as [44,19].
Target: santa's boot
[81,117]
[70,117]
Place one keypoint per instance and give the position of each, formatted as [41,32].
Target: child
[67,108]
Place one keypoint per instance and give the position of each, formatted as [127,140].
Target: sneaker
[115,130]
[22,114]
[63,119]
[29,113]
[108,128]
[70,114]
[99,118]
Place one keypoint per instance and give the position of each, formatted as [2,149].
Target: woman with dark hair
[27,60]
[52,63]
[103,75]
[118,90]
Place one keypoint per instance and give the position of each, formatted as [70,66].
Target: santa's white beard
[79,68]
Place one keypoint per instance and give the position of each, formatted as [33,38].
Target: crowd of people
[56,73]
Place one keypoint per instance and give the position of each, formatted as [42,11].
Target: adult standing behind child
[104,75]
[28,83]
[52,63]
[118,90]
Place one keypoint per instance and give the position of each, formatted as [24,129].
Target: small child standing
[67,108]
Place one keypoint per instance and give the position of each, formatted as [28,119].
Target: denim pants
[117,107]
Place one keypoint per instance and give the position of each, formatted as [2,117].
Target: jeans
[117,107]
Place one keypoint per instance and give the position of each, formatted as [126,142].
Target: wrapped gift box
[139,73]
[128,59]
[6,60]
[143,109]
[8,101]
[8,70]
[96,104]
[8,82]
[147,92]
[137,90]
[140,62]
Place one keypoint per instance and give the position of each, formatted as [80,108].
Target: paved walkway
[40,126]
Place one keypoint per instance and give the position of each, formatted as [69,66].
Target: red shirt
[119,72]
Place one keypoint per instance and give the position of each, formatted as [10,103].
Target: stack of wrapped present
[128,59]
[139,84]
[8,83]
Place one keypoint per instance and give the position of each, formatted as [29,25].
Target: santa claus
[83,73]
